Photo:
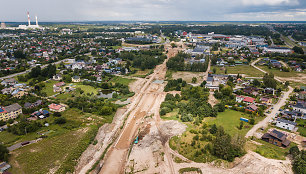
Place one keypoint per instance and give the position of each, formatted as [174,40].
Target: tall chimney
[36,21]
[29,22]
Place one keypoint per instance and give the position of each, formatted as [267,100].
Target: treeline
[299,160]
[147,59]
[175,85]
[38,75]
[140,42]
[168,30]
[177,63]
[98,106]
[109,42]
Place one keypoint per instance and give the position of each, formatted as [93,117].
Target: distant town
[144,97]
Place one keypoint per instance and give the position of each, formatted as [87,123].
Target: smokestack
[29,22]
[36,21]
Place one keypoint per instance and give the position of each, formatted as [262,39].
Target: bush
[57,114]
[4,153]
[60,120]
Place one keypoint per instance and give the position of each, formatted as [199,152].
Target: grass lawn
[87,88]
[269,150]
[49,87]
[121,80]
[241,69]
[230,120]
[279,73]
[301,123]
[171,116]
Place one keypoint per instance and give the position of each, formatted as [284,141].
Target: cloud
[201,10]
[270,2]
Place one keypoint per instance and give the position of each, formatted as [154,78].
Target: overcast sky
[154,10]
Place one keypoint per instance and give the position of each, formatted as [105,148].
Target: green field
[121,80]
[49,87]
[301,123]
[269,150]
[279,73]
[229,119]
[241,69]
[61,148]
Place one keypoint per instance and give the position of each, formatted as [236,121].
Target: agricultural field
[241,69]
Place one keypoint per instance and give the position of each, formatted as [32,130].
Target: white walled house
[285,124]
[299,107]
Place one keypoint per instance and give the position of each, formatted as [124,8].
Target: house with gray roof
[286,124]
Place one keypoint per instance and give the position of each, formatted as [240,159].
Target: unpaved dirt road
[146,103]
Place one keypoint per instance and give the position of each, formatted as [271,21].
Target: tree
[299,163]
[252,121]
[241,125]
[213,129]
[19,54]
[298,50]
[57,114]
[256,82]
[220,107]
[4,153]
[294,151]
[214,70]
[194,80]
[269,81]
[60,120]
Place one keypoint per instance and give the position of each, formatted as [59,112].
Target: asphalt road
[275,110]
[24,72]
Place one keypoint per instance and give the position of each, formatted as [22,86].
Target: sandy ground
[187,76]
[211,99]
[152,154]
[147,100]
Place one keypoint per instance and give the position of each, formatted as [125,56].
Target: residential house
[248,100]
[4,166]
[266,101]
[60,84]
[18,93]
[251,108]
[76,79]
[277,138]
[239,98]
[41,114]
[31,105]
[56,107]
[10,112]
[302,95]
[300,107]
[250,90]
[57,77]
[9,82]
[285,124]
[57,89]
[269,91]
